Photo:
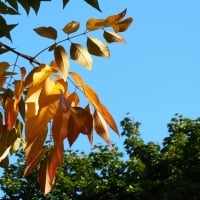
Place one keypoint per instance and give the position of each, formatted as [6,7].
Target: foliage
[150,172]
[40,99]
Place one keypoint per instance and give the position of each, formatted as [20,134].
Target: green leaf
[35,5]
[4,9]
[25,5]
[94,4]
[13,4]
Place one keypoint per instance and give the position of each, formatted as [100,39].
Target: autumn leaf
[73,99]
[71,27]
[77,78]
[47,32]
[122,25]
[101,127]
[62,61]
[97,47]
[3,67]
[81,55]
[113,37]
[44,179]
[113,19]
[94,24]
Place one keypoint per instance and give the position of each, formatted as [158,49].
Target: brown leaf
[122,25]
[62,61]
[47,32]
[73,99]
[71,27]
[3,67]
[81,55]
[113,37]
[44,179]
[97,47]
[101,127]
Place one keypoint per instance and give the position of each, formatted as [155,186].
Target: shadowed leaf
[47,32]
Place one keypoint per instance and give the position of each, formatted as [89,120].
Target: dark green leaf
[65,2]
[35,5]
[25,5]
[13,4]
[94,4]
[4,9]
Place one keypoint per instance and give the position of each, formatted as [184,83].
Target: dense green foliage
[151,171]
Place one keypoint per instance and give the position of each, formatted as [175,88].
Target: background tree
[40,98]
[150,172]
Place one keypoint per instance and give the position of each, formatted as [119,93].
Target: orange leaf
[101,127]
[3,67]
[77,78]
[62,61]
[78,119]
[11,113]
[123,25]
[73,99]
[113,19]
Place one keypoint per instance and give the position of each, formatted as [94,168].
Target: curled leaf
[122,25]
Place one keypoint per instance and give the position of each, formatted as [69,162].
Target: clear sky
[153,76]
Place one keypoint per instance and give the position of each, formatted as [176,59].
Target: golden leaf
[94,24]
[81,55]
[101,127]
[113,19]
[62,61]
[47,32]
[71,27]
[77,78]
[97,47]
[113,37]
[73,99]
[122,25]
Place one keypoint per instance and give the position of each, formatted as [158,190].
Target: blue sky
[153,76]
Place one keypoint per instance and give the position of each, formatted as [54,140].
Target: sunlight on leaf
[71,27]
[81,55]
[113,37]
[47,32]
[97,47]
[123,25]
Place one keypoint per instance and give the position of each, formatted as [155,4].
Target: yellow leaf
[62,61]
[51,92]
[48,32]
[101,127]
[122,25]
[113,37]
[94,24]
[97,47]
[71,27]
[81,55]
[3,67]
[38,75]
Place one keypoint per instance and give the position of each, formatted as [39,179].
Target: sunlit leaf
[94,24]
[101,127]
[81,55]
[71,27]
[11,113]
[47,32]
[113,37]
[113,19]
[77,78]
[97,47]
[62,61]
[122,25]
[94,4]
[73,99]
